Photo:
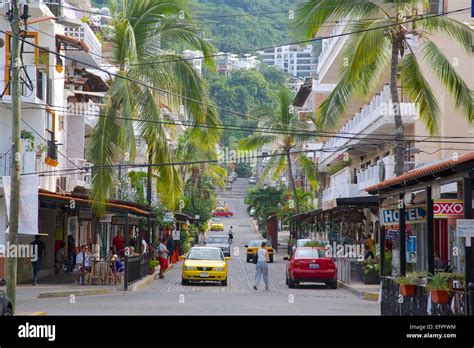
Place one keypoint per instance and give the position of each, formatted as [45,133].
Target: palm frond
[308,168]
[449,27]
[255,141]
[448,76]
[420,92]
[312,14]
[102,150]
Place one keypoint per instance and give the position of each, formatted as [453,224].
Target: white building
[197,63]
[300,61]
[227,62]
[52,141]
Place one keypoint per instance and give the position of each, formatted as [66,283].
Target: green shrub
[438,281]
[409,279]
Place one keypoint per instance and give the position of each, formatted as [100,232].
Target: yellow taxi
[205,264]
[217,225]
[254,245]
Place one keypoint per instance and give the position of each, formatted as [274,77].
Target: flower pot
[408,290]
[439,296]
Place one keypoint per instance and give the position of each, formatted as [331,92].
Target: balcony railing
[87,35]
[28,162]
[371,175]
[329,44]
[342,186]
[375,114]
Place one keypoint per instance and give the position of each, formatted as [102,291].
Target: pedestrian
[231,235]
[262,267]
[71,253]
[61,258]
[83,262]
[170,247]
[162,257]
[370,244]
[119,242]
[39,250]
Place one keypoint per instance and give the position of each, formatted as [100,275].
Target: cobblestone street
[168,297]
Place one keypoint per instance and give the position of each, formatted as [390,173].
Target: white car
[252,180]
[252,211]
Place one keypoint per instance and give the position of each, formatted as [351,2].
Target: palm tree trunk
[292,181]
[399,128]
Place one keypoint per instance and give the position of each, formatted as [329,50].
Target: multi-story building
[197,63]
[52,138]
[355,156]
[227,62]
[300,61]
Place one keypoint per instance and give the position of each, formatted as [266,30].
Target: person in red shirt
[119,243]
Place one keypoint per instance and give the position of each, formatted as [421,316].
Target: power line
[291,131]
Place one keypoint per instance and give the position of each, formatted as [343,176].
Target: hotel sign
[447,208]
[413,215]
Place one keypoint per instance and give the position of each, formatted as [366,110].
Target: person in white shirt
[262,267]
[144,246]
[83,261]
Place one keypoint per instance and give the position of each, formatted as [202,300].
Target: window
[51,144]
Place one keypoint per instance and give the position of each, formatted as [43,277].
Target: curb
[88,292]
[366,295]
[31,314]
[143,283]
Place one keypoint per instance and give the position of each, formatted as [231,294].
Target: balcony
[375,117]
[371,175]
[330,50]
[85,34]
[341,186]
[28,162]
[82,179]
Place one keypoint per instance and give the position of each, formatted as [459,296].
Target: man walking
[262,267]
[39,249]
[231,235]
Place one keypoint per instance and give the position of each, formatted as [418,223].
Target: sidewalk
[366,291]
[61,285]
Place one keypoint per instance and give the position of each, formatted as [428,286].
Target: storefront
[422,211]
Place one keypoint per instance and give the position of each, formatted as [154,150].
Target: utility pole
[11,262]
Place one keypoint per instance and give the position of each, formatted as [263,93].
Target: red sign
[447,208]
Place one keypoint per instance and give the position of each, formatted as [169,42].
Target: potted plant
[438,287]
[28,139]
[407,285]
[371,271]
[153,265]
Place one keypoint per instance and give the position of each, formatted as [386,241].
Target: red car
[224,213]
[310,265]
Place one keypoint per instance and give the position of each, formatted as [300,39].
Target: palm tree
[283,121]
[191,148]
[143,34]
[371,52]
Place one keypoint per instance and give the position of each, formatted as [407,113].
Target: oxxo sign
[447,207]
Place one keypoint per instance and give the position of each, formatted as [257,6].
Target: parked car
[6,308]
[310,265]
[254,245]
[221,242]
[205,264]
[252,180]
[235,175]
[252,211]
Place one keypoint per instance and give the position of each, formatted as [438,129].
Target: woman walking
[262,267]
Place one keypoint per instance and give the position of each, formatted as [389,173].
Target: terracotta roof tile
[415,174]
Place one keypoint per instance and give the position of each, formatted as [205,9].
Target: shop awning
[122,207]
[463,163]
